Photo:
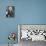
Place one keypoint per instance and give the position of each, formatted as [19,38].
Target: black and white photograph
[10,11]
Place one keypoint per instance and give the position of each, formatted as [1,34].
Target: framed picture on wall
[32,32]
[10,11]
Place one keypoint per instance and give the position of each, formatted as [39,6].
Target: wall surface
[26,12]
